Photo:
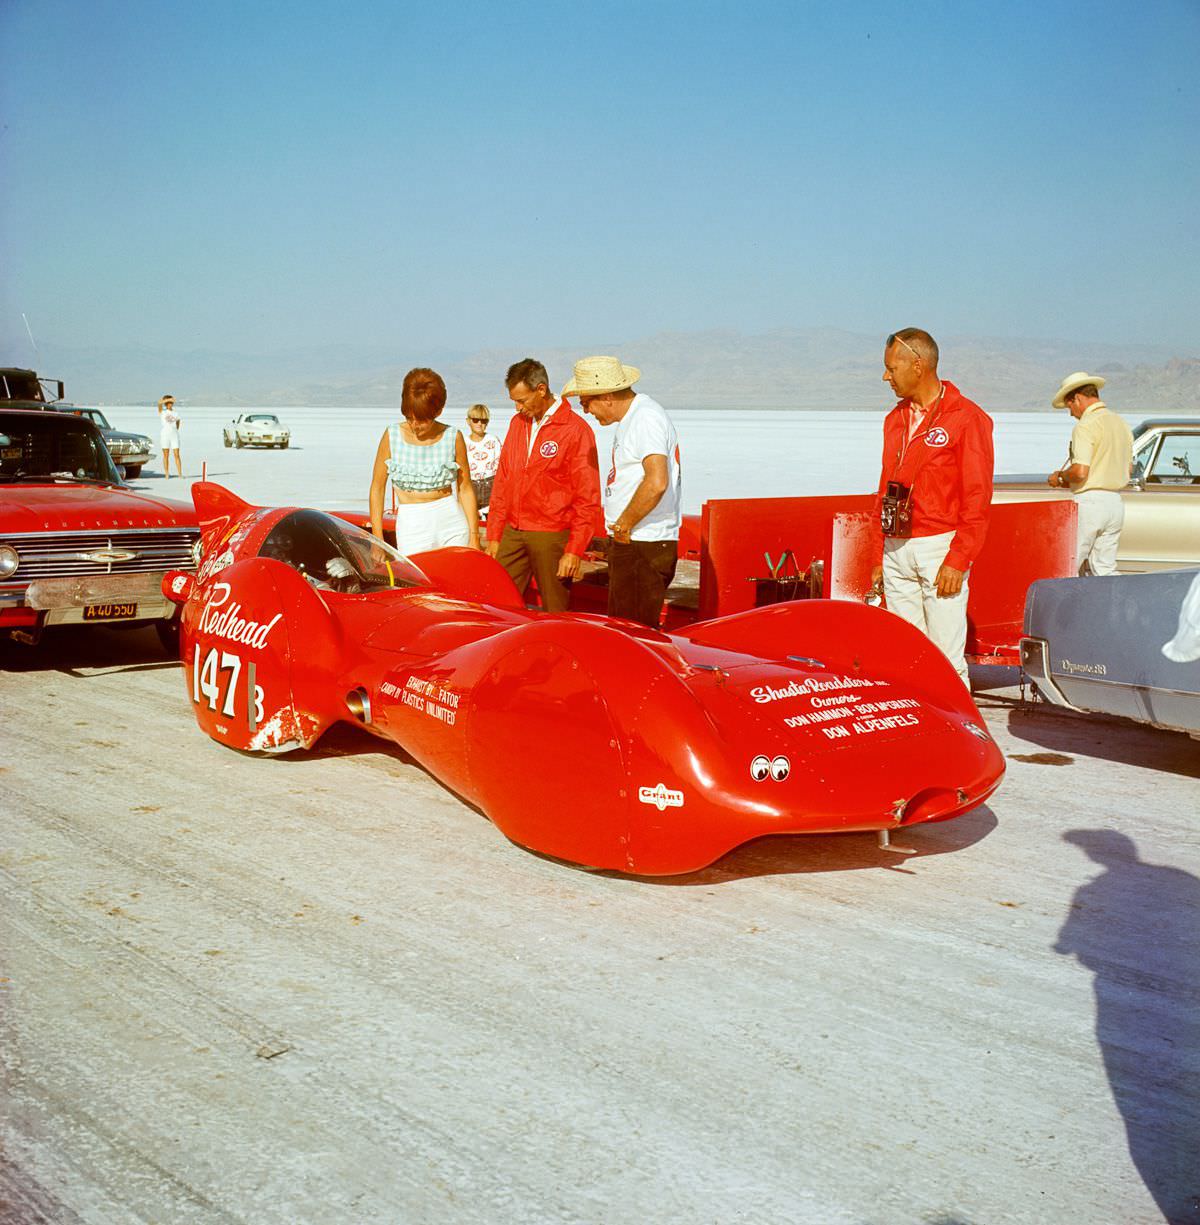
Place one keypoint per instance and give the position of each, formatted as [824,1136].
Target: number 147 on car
[216,680]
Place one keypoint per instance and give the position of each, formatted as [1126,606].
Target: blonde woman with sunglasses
[483,454]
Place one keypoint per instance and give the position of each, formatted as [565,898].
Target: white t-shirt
[644,430]
[483,457]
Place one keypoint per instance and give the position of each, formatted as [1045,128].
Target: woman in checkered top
[426,463]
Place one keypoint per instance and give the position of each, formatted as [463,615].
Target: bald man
[935,494]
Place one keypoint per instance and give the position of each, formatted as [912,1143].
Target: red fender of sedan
[588,739]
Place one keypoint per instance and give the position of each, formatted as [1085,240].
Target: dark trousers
[483,491]
[639,574]
[536,554]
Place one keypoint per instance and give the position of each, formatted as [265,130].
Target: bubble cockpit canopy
[338,556]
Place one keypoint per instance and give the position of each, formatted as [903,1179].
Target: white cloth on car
[1185,646]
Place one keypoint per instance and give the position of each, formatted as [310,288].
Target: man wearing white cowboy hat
[1096,471]
[641,492]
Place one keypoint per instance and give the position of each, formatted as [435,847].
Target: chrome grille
[64,554]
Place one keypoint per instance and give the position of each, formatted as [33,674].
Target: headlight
[10,559]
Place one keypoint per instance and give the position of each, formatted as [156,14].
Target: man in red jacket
[545,504]
[935,494]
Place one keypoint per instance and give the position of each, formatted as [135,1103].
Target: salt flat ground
[736,454]
[320,988]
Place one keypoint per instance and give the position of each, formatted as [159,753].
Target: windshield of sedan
[45,447]
[338,556]
[93,414]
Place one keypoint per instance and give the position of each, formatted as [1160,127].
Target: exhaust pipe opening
[358,703]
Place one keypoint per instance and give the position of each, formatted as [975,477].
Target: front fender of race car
[644,754]
[262,654]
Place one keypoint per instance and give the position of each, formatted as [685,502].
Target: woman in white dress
[169,441]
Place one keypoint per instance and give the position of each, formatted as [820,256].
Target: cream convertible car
[1162,499]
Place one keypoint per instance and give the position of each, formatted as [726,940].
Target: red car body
[589,739]
[76,544]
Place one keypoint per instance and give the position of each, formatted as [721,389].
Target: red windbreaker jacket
[555,488]
[948,465]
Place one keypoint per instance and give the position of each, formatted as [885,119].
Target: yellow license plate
[109,612]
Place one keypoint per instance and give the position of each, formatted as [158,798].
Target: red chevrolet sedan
[76,543]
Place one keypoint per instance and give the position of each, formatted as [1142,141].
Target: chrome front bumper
[64,599]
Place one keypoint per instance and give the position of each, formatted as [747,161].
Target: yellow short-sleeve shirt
[1103,442]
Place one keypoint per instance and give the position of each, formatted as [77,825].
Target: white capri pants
[430,525]
[910,588]
[1101,517]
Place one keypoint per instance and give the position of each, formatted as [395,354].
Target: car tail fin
[217,507]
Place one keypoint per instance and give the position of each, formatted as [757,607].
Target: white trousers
[1101,517]
[910,588]
[430,525]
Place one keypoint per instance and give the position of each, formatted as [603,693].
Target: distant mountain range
[787,368]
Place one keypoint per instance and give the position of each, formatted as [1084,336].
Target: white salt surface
[320,988]
[734,454]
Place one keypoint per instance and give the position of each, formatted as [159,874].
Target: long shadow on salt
[1107,739]
[1136,927]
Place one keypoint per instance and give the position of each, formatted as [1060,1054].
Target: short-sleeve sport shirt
[1103,442]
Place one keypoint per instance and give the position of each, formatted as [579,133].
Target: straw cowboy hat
[1073,382]
[597,376]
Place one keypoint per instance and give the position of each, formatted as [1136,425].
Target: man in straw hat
[935,494]
[545,505]
[641,492]
[1096,470]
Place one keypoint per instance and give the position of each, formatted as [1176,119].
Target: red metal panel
[736,533]
[1025,541]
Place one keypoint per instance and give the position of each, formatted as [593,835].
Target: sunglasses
[894,339]
[483,419]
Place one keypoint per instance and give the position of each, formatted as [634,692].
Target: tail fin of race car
[217,508]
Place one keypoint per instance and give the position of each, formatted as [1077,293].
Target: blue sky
[258,176]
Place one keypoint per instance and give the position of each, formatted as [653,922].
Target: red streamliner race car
[589,739]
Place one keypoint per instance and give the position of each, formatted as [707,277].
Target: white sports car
[257,430]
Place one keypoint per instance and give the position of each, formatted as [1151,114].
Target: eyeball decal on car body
[763,766]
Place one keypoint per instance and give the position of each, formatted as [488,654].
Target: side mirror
[177,586]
